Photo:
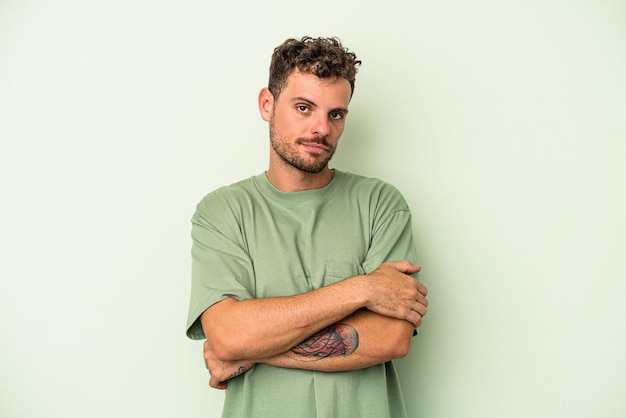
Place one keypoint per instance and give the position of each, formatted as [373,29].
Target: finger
[421,309]
[406,267]
[421,299]
[216,384]
[415,319]
[422,289]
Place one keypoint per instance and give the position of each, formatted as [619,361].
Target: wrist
[359,291]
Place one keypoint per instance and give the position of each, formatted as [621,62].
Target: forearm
[362,340]
[262,328]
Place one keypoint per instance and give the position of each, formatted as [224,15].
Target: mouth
[315,147]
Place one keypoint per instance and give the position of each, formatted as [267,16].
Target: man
[302,270]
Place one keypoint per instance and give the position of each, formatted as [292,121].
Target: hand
[395,294]
[222,371]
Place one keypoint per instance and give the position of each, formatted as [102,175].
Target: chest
[296,249]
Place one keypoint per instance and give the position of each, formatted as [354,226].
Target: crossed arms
[356,323]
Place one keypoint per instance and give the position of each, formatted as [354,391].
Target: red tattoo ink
[340,339]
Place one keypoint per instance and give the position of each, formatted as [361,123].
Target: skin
[306,122]
[356,323]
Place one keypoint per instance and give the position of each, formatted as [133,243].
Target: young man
[305,270]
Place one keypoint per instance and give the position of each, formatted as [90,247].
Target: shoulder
[374,189]
[227,199]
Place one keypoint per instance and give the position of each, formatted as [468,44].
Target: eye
[336,115]
[302,108]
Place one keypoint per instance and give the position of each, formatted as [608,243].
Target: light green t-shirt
[251,240]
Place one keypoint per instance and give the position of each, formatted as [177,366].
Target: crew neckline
[269,190]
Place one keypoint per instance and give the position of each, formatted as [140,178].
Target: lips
[314,147]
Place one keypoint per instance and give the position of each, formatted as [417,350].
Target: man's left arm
[365,338]
[361,340]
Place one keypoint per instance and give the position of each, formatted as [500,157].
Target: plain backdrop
[502,122]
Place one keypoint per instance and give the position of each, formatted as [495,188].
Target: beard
[289,152]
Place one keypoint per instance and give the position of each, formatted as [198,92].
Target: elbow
[401,345]
[395,349]
[225,341]
[402,349]
[223,345]
[226,350]
[221,352]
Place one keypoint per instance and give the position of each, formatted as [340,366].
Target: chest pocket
[337,271]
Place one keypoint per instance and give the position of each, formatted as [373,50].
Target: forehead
[331,92]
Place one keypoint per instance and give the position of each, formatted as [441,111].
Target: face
[307,120]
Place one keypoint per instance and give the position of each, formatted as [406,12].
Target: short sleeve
[221,266]
[392,231]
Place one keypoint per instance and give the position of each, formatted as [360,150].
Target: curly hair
[323,57]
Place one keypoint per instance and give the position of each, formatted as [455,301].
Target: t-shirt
[251,240]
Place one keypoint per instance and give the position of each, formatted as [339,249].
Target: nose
[320,126]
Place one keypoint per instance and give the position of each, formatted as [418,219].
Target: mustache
[320,140]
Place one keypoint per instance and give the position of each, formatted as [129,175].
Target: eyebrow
[312,103]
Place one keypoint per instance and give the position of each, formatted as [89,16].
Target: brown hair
[323,57]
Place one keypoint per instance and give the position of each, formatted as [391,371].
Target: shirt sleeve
[221,266]
[392,231]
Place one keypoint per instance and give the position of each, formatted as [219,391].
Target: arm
[263,328]
[361,340]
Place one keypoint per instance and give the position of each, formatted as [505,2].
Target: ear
[266,104]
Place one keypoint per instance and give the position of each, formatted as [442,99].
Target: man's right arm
[264,328]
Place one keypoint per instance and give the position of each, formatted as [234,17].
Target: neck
[293,180]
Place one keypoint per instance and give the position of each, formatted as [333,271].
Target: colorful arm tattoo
[338,339]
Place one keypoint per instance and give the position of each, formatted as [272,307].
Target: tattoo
[338,339]
[239,371]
